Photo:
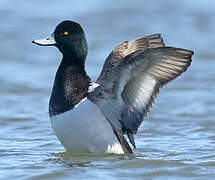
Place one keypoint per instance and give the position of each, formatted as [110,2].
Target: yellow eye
[65,33]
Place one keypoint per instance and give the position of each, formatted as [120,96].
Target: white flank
[85,129]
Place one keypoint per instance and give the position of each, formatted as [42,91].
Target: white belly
[85,129]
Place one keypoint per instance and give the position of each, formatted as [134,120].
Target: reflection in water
[87,159]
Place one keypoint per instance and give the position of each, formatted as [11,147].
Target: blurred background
[176,141]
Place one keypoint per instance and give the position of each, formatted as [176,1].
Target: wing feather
[128,93]
[126,48]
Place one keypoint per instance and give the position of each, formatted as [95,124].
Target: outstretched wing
[126,48]
[128,93]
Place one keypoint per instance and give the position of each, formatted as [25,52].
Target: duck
[103,116]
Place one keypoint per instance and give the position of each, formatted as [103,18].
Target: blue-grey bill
[48,41]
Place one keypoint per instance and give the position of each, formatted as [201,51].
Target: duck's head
[69,38]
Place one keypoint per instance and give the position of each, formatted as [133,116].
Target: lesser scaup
[94,117]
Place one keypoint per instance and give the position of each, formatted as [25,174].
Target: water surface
[177,139]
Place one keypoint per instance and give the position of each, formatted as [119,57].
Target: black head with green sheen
[69,38]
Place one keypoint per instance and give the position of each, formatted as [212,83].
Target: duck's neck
[70,86]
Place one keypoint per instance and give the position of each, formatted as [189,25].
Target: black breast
[70,87]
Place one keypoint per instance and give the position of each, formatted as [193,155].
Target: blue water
[176,140]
